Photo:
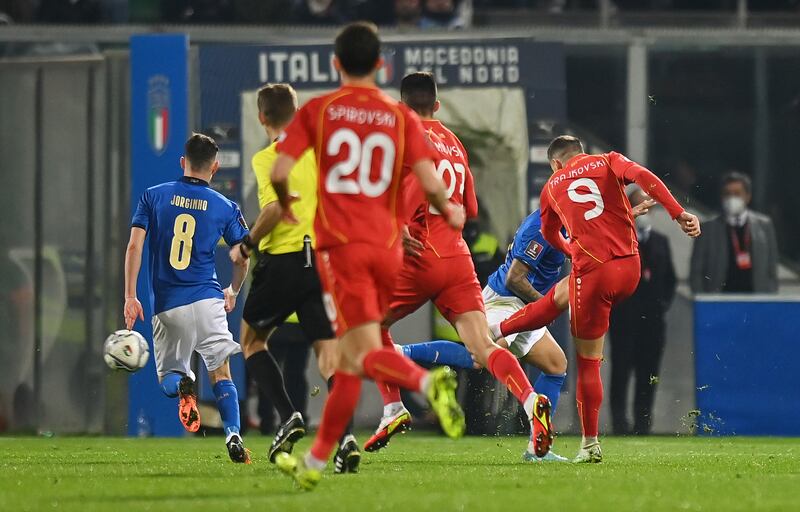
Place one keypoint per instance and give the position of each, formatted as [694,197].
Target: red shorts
[592,295]
[449,282]
[357,283]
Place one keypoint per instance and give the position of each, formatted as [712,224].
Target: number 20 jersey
[185,220]
[361,138]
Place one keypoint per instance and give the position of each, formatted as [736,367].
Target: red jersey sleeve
[551,223]
[631,172]
[417,147]
[470,199]
[299,134]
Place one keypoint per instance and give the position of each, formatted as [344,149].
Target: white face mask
[733,205]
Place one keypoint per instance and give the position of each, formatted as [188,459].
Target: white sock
[530,447]
[313,462]
[392,408]
[529,403]
[589,441]
[425,383]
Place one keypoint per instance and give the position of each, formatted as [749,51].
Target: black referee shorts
[281,286]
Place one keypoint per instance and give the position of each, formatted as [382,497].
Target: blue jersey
[185,220]
[529,246]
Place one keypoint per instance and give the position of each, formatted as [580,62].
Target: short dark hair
[278,103]
[562,145]
[738,177]
[358,48]
[418,91]
[200,150]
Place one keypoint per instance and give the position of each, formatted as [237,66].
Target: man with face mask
[737,252]
[638,330]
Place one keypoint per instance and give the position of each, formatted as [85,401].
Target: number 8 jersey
[185,220]
[587,196]
[362,138]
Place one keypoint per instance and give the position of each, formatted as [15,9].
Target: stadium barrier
[745,379]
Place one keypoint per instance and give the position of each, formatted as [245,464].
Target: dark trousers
[636,349]
[290,349]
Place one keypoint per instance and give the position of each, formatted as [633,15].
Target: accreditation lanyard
[742,254]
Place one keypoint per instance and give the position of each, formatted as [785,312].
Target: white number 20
[446,166]
[359,157]
[592,197]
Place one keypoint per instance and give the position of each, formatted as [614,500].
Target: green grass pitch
[415,473]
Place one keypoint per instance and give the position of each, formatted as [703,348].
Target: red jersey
[362,138]
[425,223]
[588,198]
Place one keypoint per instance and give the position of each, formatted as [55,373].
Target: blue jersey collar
[194,181]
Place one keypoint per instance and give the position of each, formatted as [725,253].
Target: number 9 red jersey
[587,196]
[362,138]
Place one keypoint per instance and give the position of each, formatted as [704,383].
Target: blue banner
[746,382]
[159,128]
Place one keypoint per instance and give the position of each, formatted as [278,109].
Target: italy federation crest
[158,102]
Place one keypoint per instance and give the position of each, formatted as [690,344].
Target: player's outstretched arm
[435,191]
[280,181]
[133,262]
[653,186]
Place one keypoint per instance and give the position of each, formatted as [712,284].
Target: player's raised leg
[535,315]
[473,329]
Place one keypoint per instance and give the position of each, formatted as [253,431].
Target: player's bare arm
[267,219]
[434,189]
[232,291]
[133,262]
[517,282]
[280,181]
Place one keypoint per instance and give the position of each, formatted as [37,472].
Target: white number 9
[592,197]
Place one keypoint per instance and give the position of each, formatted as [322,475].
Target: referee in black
[285,280]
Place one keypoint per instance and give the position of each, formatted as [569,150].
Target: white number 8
[360,157]
[592,197]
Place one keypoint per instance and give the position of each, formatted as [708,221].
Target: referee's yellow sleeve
[262,166]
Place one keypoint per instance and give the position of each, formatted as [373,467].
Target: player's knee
[556,365]
[221,373]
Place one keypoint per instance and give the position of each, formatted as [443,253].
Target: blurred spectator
[446,14]
[69,11]
[638,331]
[408,13]
[738,251]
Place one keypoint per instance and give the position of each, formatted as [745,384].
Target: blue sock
[441,352]
[169,384]
[228,405]
[550,385]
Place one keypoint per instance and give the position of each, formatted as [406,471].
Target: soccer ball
[126,350]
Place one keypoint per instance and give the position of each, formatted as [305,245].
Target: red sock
[589,395]
[338,410]
[387,366]
[389,392]
[505,367]
[533,316]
